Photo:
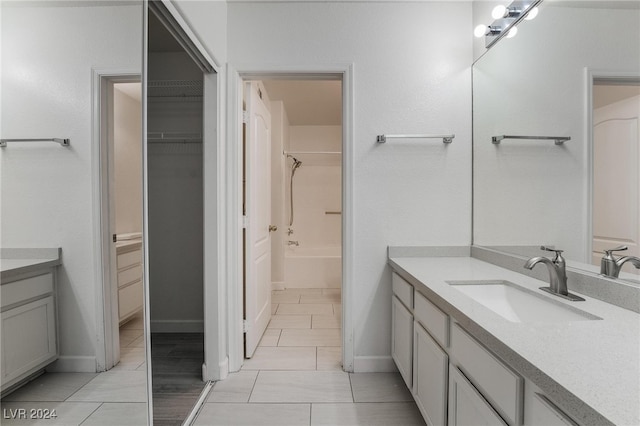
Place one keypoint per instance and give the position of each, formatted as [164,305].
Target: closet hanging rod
[62,142]
[559,140]
[445,138]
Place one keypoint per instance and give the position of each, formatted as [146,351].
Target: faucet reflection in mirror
[610,266]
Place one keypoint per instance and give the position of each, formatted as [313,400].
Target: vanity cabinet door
[429,377]
[28,339]
[402,339]
[467,407]
[541,411]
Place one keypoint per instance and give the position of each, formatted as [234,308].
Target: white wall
[128,161]
[411,75]
[47,58]
[534,192]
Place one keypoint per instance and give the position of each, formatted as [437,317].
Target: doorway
[616,168]
[302,222]
[120,189]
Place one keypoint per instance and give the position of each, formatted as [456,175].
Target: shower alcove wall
[316,261]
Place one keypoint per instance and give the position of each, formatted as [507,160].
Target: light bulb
[499,12]
[480,30]
[512,32]
[531,14]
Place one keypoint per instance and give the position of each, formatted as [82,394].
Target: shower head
[296,163]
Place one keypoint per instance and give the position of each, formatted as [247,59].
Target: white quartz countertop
[592,362]
[15,262]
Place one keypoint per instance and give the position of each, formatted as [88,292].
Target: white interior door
[616,178]
[257,309]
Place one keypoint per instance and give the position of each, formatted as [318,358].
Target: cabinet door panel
[466,406]
[28,338]
[429,377]
[402,340]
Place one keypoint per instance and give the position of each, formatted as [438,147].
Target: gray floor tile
[310,337]
[282,358]
[270,337]
[51,387]
[329,358]
[304,309]
[119,413]
[366,414]
[254,414]
[302,386]
[290,321]
[235,388]
[114,386]
[379,387]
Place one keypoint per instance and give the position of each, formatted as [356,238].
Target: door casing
[234,168]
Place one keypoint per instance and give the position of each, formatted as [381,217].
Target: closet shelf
[184,89]
[175,137]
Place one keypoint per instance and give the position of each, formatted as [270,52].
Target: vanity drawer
[402,289]
[432,319]
[26,289]
[129,275]
[500,385]
[130,258]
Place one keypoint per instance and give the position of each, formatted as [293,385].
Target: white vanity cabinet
[431,365]
[454,379]
[28,322]
[130,291]
[402,328]
[466,405]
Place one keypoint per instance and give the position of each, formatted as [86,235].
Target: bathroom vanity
[130,291]
[548,361]
[28,312]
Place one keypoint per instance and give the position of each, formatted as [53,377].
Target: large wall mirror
[574,71]
[73,70]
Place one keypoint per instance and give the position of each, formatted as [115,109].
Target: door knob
[273,228]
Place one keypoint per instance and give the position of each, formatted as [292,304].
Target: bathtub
[313,267]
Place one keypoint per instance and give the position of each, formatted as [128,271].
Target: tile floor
[295,376]
[115,397]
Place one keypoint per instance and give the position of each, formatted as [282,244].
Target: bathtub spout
[293,243]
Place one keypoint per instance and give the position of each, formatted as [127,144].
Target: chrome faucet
[610,266]
[557,274]
[293,243]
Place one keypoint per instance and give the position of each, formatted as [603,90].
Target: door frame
[107,323]
[591,75]
[233,198]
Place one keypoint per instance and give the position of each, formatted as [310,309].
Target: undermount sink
[519,304]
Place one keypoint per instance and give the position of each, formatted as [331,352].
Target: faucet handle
[550,249]
[619,248]
[556,251]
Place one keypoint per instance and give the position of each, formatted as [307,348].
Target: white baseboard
[374,364]
[177,326]
[277,285]
[73,364]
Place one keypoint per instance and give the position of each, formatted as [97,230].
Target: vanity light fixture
[501,11]
[506,19]
[483,30]
[533,12]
